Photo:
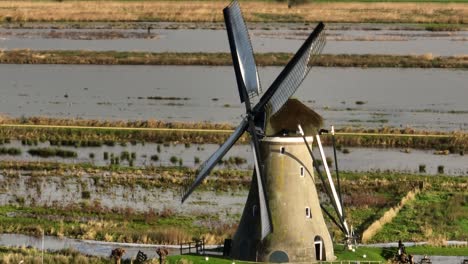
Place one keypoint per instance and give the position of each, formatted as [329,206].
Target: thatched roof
[294,112]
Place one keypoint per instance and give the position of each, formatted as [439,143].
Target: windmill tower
[282,220]
[300,233]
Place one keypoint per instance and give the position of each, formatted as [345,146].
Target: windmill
[282,219]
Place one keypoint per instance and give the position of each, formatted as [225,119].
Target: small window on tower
[282,150]
[254,210]
[302,171]
[308,214]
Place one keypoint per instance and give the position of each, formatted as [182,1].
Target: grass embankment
[448,211]
[223,59]
[92,221]
[254,11]
[78,132]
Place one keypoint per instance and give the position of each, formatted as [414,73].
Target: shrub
[173,160]
[422,168]
[106,155]
[440,169]
[91,155]
[346,151]
[51,152]
[10,151]
[124,155]
[85,195]
[154,157]
[196,160]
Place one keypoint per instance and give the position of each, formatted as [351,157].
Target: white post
[42,246]
[332,185]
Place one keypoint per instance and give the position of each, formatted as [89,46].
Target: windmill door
[318,246]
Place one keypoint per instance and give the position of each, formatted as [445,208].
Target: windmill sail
[209,164]
[293,74]
[241,52]
[264,212]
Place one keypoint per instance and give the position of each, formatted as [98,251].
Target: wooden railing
[198,247]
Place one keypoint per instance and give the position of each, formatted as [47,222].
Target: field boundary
[389,215]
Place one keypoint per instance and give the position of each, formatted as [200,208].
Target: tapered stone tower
[300,233]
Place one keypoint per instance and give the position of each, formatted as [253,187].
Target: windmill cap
[292,114]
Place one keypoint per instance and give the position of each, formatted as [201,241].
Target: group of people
[118,253]
[402,257]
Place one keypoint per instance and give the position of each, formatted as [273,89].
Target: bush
[440,169]
[85,195]
[52,152]
[422,168]
[91,155]
[106,155]
[346,151]
[196,160]
[124,155]
[173,160]
[10,151]
[154,157]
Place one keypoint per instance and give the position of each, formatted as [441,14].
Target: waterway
[349,41]
[430,99]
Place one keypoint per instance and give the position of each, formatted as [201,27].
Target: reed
[84,132]
[52,152]
[210,11]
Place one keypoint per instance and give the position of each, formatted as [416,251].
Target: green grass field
[434,216]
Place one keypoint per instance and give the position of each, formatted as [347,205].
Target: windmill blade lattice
[293,74]
[209,164]
[241,52]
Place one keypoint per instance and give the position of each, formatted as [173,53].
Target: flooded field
[354,41]
[358,159]
[433,99]
[63,191]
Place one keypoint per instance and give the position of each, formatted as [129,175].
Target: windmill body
[300,233]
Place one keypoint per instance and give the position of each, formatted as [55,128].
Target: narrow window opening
[254,210]
[308,214]
[302,171]
[282,150]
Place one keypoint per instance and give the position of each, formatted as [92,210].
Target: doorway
[319,250]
